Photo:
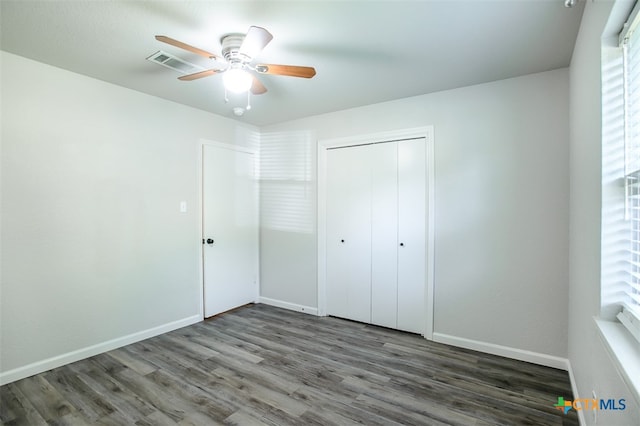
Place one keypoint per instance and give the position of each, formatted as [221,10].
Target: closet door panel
[349,233]
[411,235]
[384,234]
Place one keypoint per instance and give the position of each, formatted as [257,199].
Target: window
[287,198]
[630,297]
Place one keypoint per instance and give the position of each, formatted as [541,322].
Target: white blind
[287,189]
[633,208]
[630,41]
[631,46]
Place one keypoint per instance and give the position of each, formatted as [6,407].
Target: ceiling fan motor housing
[231,49]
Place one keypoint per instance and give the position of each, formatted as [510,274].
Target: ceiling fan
[236,62]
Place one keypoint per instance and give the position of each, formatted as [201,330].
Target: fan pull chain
[226,98]
[248,100]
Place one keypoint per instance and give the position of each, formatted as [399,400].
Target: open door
[230,228]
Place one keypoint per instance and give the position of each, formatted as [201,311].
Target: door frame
[395,135]
[200,168]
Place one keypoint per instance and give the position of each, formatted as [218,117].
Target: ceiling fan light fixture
[237,80]
[238,52]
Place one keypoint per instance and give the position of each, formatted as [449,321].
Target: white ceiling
[364,51]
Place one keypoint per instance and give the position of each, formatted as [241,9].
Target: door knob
[209,240]
[401,244]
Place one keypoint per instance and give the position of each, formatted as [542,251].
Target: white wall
[501,239]
[592,368]
[94,249]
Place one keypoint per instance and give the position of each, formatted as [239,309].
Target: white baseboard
[506,351]
[77,355]
[574,389]
[286,305]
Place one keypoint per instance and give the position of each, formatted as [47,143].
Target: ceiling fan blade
[198,75]
[288,70]
[257,88]
[255,40]
[185,46]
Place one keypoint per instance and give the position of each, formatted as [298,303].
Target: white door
[230,228]
[349,233]
[384,234]
[412,221]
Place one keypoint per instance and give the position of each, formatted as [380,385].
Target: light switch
[183,206]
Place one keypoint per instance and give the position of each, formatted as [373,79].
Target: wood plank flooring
[261,365]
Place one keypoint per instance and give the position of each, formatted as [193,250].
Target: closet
[375,233]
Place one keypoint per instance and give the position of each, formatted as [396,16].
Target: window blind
[287,190]
[630,43]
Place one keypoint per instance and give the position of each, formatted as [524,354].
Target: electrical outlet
[594,410]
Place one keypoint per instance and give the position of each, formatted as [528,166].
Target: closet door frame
[396,135]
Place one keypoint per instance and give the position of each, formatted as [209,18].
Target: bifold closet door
[349,233]
[412,211]
[376,224]
[384,234]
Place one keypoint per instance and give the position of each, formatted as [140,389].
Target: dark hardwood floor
[263,365]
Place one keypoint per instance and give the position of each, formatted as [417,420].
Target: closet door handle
[342,241]
[401,244]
